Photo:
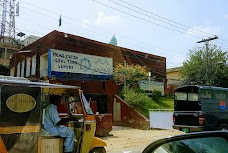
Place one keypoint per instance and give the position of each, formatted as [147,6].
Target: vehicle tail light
[202,119]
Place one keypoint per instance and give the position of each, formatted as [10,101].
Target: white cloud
[85,23]
[174,61]
[103,19]
[204,31]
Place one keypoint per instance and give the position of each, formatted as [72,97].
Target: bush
[169,95]
[156,95]
[139,101]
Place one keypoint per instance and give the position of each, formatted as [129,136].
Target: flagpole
[60,22]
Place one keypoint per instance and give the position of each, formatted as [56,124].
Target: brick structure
[101,91]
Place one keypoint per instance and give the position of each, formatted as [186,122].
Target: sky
[167,28]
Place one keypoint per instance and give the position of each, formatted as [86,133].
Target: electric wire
[166,62]
[93,46]
[146,20]
[38,12]
[139,9]
[193,31]
[166,18]
[100,29]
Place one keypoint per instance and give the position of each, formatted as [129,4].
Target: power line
[82,28]
[98,29]
[146,20]
[165,18]
[146,65]
[114,53]
[192,29]
[92,47]
[156,18]
[167,62]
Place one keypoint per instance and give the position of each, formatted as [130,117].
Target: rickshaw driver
[55,125]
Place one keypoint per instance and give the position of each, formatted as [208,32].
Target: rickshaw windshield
[86,104]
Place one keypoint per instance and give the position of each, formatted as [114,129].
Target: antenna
[7,20]
[17,9]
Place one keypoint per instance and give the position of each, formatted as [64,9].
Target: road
[129,140]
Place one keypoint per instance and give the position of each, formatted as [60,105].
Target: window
[2,52]
[192,96]
[181,96]
[28,63]
[18,69]
[219,94]
[10,52]
[33,65]
[204,93]
[22,68]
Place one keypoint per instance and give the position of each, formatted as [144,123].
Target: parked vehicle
[21,118]
[200,142]
[200,108]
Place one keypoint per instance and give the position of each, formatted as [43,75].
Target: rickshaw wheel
[98,150]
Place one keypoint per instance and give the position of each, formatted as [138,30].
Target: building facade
[173,79]
[6,52]
[68,59]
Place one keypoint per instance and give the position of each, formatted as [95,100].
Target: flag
[60,21]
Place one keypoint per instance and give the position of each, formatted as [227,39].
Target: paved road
[129,140]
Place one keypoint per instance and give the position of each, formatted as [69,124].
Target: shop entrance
[101,102]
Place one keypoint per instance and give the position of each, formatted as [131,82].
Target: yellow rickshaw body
[22,114]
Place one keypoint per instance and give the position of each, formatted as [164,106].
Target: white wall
[161,118]
[44,65]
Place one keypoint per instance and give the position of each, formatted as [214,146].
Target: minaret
[113,41]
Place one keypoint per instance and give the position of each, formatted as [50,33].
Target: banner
[151,86]
[70,62]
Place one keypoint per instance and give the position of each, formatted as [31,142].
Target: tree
[132,74]
[206,67]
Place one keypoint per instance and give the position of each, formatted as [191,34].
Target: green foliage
[205,67]
[169,96]
[166,103]
[132,73]
[142,102]
[155,95]
[140,90]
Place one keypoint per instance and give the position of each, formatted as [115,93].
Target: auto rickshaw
[22,109]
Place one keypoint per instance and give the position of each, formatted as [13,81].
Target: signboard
[65,63]
[151,86]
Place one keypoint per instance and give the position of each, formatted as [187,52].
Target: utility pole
[206,44]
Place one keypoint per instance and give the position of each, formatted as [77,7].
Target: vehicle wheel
[223,127]
[98,150]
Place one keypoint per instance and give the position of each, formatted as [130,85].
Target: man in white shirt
[55,125]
